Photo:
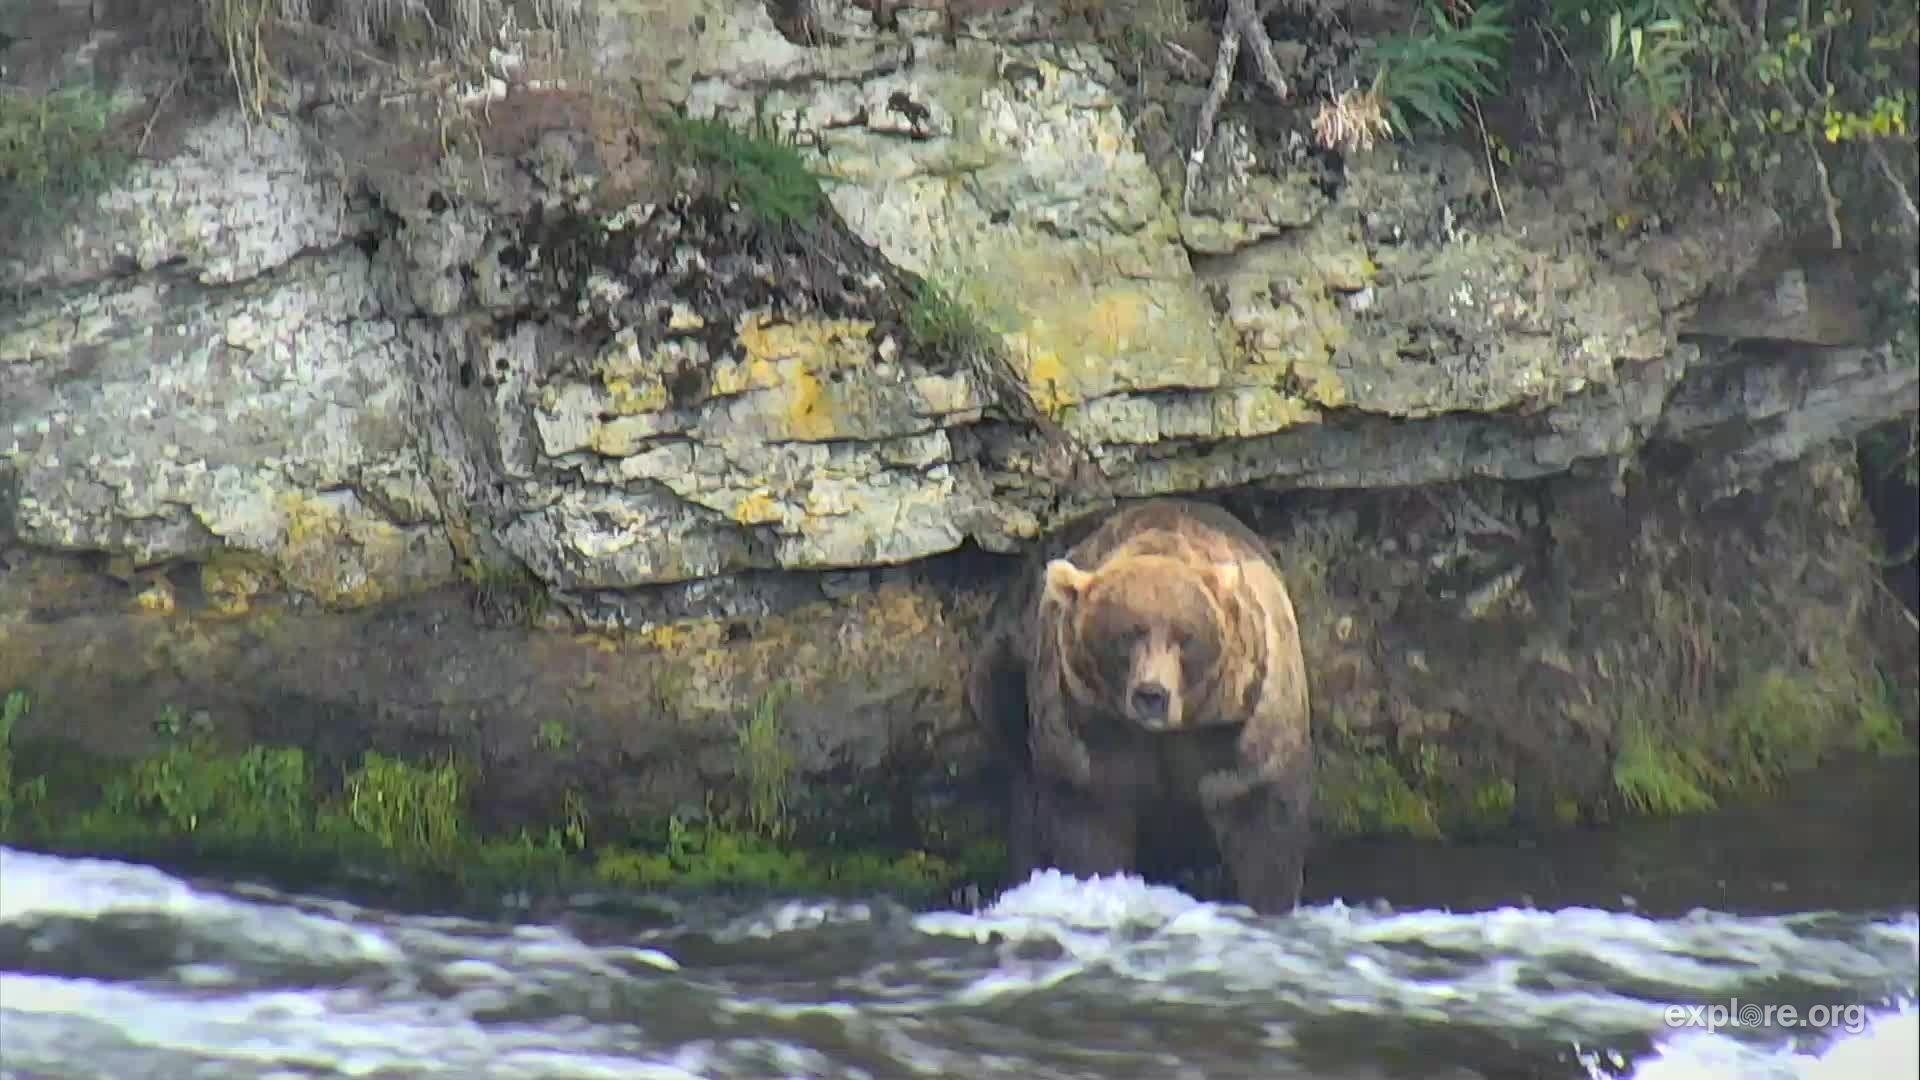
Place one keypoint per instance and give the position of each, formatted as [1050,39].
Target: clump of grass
[938,320]
[1654,776]
[767,763]
[12,711]
[1493,802]
[1777,724]
[553,736]
[55,149]
[709,856]
[506,594]
[1361,793]
[412,812]
[260,794]
[1701,716]
[757,166]
[250,36]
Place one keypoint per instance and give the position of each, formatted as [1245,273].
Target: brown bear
[1148,693]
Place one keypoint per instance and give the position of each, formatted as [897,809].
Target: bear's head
[1146,637]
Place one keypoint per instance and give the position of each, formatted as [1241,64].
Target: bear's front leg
[1260,824]
[1076,832]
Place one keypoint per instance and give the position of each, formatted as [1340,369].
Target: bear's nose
[1150,701]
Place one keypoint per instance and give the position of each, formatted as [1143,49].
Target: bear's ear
[1226,578]
[1066,582]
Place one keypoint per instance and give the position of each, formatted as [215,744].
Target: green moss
[1493,803]
[1775,724]
[1429,789]
[55,149]
[553,736]
[1364,794]
[1656,777]
[714,856]
[267,810]
[1768,726]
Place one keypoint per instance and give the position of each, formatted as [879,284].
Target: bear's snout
[1148,702]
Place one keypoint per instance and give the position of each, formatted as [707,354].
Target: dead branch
[1879,154]
[1486,147]
[1244,24]
[147,132]
[1223,63]
[1826,194]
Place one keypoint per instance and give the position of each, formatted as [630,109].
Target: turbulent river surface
[112,970]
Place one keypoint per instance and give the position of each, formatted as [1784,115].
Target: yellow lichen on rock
[1252,411]
[231,581]
[809,413]
[1046,375]
[897,636]
[157,598]
[758,508]
[632,380]
[820,344]
[794,360]
[630,397]
[346,558]
[1320,383]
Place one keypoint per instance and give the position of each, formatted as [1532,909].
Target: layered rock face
[262,408]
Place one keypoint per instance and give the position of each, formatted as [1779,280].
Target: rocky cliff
[566,438]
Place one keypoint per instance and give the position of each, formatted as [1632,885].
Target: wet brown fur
[1179,593]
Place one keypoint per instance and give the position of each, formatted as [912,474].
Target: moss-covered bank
[401,827]
[1490,659]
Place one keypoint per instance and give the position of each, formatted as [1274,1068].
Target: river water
[111,970]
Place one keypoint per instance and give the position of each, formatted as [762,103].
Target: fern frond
[1434,75]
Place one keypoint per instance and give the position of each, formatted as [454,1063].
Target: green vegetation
[1438,73]
[767,763]
[506,594]
[1656,777]
[1698,88]
[411,812]
[757,166]
[271,810]
[1694,723]
[12,710]
[1368,786]
[1737,94]
[938,320]
[1361,794]
[553,736]
[55,149]
[705,857]
[253,42]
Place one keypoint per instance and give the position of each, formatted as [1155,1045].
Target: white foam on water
[793,915]
[986,993]
[345,1031]
[1562,974]
[37,889]
[1888,1049]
